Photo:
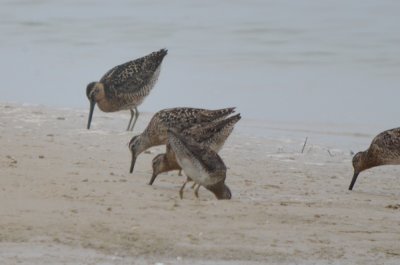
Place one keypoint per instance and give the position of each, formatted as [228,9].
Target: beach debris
[13,162]
[392,253]
[329,152]
[304,145]
[393,206]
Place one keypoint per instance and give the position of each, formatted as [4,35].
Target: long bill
[153,177]
[353,181]
[132,163]
[92,104]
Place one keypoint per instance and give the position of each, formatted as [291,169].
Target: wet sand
[66,197]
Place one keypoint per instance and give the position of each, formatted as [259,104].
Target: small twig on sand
[329,152]
[304,146]
[392,253]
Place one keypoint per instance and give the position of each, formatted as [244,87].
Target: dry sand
[66,197]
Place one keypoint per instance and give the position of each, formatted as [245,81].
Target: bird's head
[135,148]
[359,164]
[159,165]
[221,191]
[94,92]
[226,194]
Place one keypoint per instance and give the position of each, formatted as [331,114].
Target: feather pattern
[125,86]
[176,118]
[201,164]
[131,82]
[211,134]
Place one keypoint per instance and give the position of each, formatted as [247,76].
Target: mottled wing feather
[387,143]
[108,76]
[182,118]
[212,160]
[208,130]
[216,115]
[132,76]
[209,159]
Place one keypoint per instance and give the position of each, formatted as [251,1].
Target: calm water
[294,61]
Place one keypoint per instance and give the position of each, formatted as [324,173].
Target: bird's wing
[211,160]
[207,157]
[207,130]
[132,76]
[386,146]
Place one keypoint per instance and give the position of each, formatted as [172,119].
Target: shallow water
[293,61]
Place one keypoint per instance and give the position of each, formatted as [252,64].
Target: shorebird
[384,150]
[212,135]
[177,118]
[125,86]
[201,164]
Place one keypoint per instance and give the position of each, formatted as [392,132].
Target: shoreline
[67,189]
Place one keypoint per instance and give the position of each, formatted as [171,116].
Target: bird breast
[196,171]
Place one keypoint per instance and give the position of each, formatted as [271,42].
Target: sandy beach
[66,197]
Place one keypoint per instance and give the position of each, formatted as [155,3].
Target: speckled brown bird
[177,118]
[384,150]
[201,164]
[125,86]
[211,134]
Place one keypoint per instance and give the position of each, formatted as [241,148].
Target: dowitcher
[212,135]
[384,150]
[177,118]
[201,164]
[125,86]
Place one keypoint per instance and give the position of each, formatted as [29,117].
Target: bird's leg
[196,191]
[188,179]
[181,190]
[180,172]
[130,121]
[136,117]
